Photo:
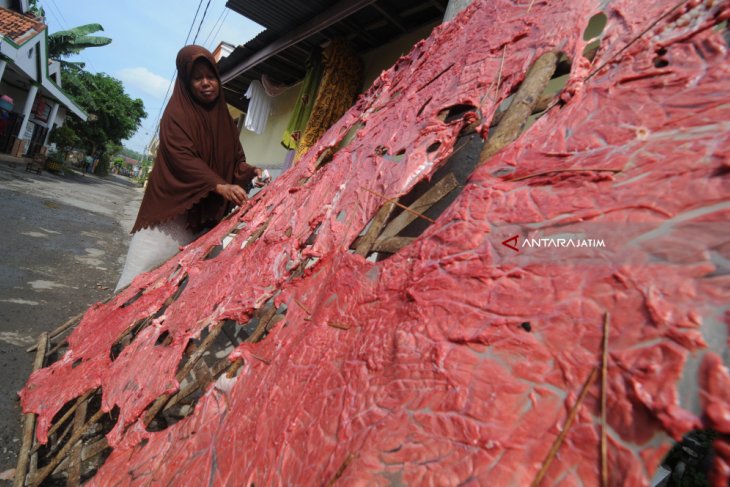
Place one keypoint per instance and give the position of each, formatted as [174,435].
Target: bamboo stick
[641,34]
[400,205]
[39,477]
[568,423]
[604,390]
[66,415]
[340,471]
[261,327]
[160,402]
[443,187]
[296,301]
[570,169]
[60,329]
[29,420]
[74,468]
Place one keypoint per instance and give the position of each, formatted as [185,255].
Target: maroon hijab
[199,148]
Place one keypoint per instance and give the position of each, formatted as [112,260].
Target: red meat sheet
[458,359]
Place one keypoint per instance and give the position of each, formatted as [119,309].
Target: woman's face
[203,82]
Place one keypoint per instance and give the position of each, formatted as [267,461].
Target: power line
[221,25]
[193,23]
[172,78]
[58,16]
[201,21]
[210,33]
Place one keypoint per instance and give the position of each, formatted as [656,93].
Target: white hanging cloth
[259,107]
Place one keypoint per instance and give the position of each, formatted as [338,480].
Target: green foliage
[35,8]
[130,153]
[113,116]
[73,41]
[105,157]
[65,139]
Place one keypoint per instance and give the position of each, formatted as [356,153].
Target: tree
[131,153]
[35,9]
[73,41]
[65,139]
[114,116]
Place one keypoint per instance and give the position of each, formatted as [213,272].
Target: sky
[146,36]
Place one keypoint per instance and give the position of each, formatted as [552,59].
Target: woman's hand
[232,192]
[262,177]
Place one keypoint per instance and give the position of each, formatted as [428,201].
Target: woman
[199,170]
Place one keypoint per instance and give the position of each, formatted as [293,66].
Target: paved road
[63,240]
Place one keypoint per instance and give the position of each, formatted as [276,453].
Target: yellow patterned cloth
[340,85]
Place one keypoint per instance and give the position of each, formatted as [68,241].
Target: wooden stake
[29,420]
[568,423]
[522,106]
[604,390]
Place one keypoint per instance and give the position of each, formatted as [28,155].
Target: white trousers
[152,246]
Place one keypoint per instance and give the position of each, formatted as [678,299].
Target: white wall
[25,56]
[54,72]
[266,149]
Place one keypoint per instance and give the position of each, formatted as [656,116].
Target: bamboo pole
[67,415]
[161,401]
[60,329]
[365,243]
[424,203]
[74,467]
[39,477]
[522,105]
[29,420]
[399,205]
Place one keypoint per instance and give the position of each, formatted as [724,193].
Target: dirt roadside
[63,245]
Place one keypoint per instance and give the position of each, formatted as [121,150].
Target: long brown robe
[199,149]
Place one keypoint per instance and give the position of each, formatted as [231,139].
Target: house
[224,49]
[34,102]
[379,32]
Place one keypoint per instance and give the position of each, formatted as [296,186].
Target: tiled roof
[18,27]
